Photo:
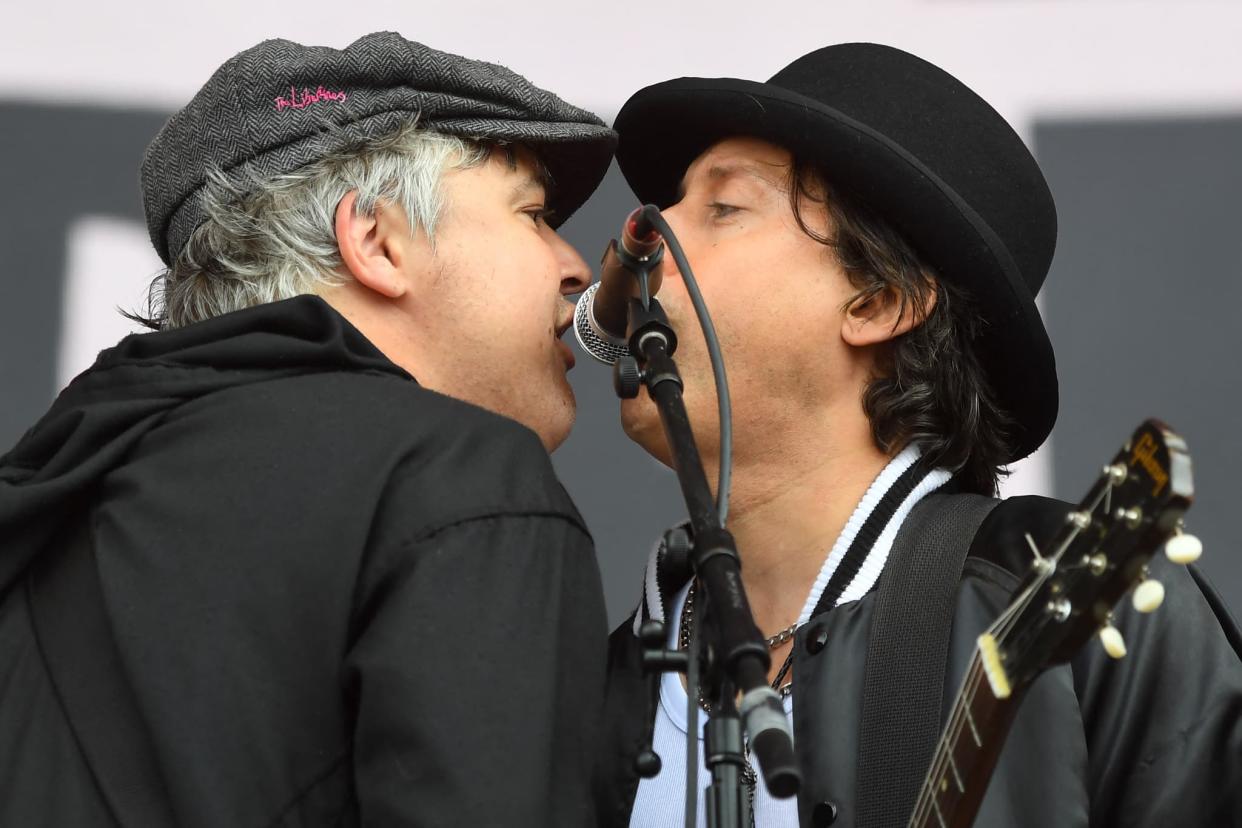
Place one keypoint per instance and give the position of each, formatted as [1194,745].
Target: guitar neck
[966,754]
[1134,507]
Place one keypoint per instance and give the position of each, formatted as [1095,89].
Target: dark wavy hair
[930,387]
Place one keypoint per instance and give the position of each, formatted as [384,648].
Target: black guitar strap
[75,639]
[903,681]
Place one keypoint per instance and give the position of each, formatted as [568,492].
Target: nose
[673,215]
[575,273]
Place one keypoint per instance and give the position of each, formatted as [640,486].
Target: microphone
[601,316]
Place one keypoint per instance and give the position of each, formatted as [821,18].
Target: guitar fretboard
[966,754]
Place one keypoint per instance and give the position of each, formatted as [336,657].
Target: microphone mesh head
[597,343]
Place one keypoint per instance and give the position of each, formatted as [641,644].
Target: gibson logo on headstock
[1145,455]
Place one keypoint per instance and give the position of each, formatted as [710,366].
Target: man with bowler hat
[299,557]
[869,236]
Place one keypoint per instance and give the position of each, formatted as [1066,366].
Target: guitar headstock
[1133,510]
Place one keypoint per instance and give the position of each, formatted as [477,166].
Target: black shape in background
[57,164]
[1142,306]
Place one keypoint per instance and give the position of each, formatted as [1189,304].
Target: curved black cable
[652,214]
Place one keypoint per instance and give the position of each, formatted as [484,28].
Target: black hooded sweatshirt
[338,597]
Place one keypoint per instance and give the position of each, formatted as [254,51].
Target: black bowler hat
[919,148]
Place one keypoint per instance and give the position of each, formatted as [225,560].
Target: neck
[790,500]
[383,322]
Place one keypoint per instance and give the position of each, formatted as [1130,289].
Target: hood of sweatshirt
[47,478]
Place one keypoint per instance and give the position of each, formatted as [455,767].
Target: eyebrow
[527,184]
[720,172]
[541,176]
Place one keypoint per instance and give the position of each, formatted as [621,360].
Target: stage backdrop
[1133,109]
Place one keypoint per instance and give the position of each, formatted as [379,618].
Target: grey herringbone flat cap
[281,105]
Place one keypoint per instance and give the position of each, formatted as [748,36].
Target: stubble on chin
[641,423]
[556,428]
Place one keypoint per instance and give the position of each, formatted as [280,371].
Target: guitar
[1133,509]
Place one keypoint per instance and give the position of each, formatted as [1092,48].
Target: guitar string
[953,731]
[928,792]
[1003,626]
[930,784]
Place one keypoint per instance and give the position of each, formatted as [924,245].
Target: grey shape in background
[1142,306]
[57,164]
[627,498]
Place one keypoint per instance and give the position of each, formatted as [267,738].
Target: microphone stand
[743,659]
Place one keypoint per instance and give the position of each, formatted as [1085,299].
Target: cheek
[518,279]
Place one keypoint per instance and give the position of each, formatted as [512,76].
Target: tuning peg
[1080,520]
[1183,548]
[1113,643]
[1116,473]
[1042,565]
[1148,596]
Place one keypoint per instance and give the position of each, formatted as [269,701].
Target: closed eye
[721,210]
[540,214]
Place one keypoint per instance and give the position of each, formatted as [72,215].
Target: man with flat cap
[869,236]
[299,556]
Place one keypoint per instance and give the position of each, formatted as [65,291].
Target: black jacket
[338,597]
[1152,740]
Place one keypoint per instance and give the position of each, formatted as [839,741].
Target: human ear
[871,319]
[372,247]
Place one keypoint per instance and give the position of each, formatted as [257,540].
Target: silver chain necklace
[749,778]
[774,641]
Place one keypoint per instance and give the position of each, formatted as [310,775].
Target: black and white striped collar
[854,563]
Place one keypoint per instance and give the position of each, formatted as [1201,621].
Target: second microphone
[601,316]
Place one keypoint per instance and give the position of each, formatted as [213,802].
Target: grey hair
[273,239]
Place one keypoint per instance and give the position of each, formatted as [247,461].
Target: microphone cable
[725,478]
[652,214]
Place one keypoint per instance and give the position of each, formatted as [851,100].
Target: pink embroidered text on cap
[307,97]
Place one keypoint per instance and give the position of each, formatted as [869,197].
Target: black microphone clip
[640,251]
[642,267]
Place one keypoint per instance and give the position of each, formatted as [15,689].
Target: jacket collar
[853,564]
